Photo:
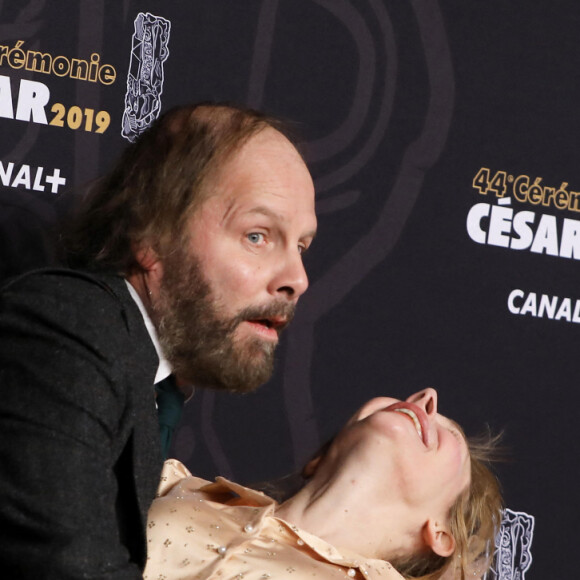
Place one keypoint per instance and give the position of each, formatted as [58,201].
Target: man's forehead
[265,143]
[267,177]
[254,158]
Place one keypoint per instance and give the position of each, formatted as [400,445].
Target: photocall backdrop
[443,137]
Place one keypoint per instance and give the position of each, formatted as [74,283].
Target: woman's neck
[344,514]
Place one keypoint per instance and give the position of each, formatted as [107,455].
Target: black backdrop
[443,138]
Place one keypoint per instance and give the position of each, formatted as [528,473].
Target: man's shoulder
[85,308]
[66,286]
[65,279]
[63,294]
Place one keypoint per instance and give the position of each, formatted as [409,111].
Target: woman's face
[408,450]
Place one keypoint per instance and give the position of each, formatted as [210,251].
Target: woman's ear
[438,538]
[310,468]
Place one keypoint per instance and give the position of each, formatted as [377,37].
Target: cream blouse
[224,531]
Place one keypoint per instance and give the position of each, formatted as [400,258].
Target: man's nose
[290,277]
[426,399]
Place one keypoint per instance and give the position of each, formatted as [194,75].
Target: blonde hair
[474,519]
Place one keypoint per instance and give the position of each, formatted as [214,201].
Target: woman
[398,484]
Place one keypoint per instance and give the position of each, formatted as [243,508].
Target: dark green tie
[169,406]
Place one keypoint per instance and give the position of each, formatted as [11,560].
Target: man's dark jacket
[79,438]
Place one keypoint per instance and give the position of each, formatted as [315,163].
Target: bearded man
[187,259]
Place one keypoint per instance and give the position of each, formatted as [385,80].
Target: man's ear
[438,538]
[147,280]
[146,257]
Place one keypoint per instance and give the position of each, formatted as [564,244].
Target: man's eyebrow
[263,210]
[232,210]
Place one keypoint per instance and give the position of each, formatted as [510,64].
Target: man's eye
[255,238]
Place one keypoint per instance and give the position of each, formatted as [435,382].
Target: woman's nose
[426,399]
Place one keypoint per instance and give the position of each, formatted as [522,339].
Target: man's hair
[474,519]
[157,184]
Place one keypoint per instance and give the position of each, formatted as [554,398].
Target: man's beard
[199,342]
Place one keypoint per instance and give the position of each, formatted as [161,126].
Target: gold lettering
[60,66]
[3,53]
[16,56]
[38,61]
[79,69]
[562,196]
[521,185]
[535,192]
[574,203]
[94,67]
[107,74]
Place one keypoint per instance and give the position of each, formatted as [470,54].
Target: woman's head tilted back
[474,519]
[429,502]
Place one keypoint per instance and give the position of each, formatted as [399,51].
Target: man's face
[226,296]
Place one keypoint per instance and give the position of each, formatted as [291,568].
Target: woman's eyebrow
[457,427]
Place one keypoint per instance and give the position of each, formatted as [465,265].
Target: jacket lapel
[141,369]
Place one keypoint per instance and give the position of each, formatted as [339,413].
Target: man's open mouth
[277,323]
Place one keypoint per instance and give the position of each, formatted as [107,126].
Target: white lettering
[547,305]
[565,310]
[570,243]
[546,237]
[511,301]
[522,221]
[500,225]
[530,305]
[22,177]
[37,186]
[6,109]
[551,307]
[32,99]
[6,174]
[516,231]
[576,316]
[56,180]
[474,217]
